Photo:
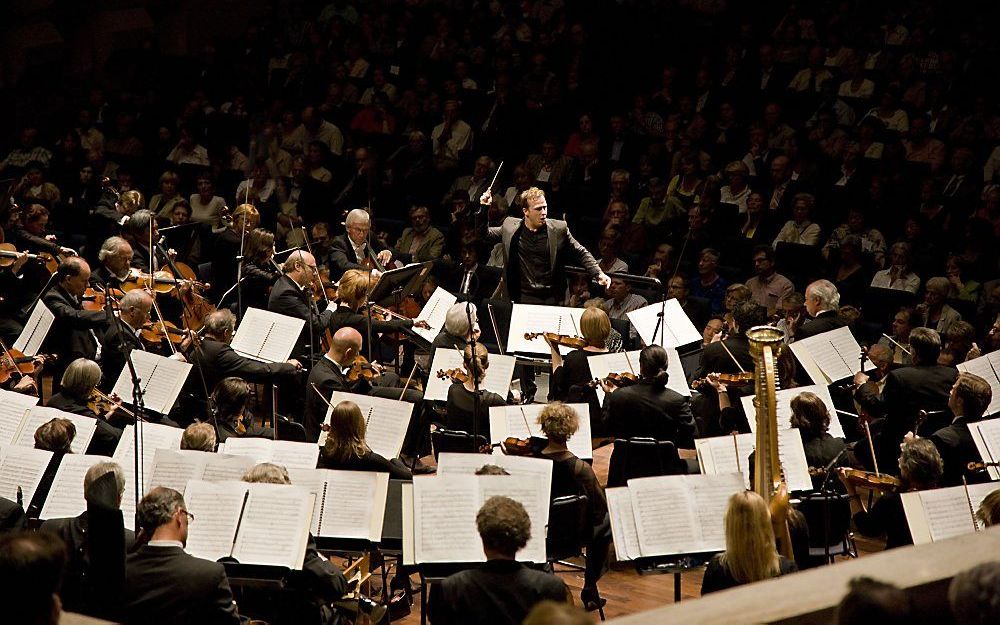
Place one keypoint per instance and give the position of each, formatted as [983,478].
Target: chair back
[828,517]
[289,430]
[569,527]
[456,441]
[642,457]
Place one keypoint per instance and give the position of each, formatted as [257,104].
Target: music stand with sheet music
[396,284]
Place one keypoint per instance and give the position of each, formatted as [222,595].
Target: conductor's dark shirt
[533,255]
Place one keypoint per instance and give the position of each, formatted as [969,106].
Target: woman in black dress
[345,447]
[461,396]
[811,418]
[571,376]
[750,554]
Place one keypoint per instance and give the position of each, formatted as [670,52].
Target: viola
[154,332]
[563,340]
[14,362]
[876,481]
[95,299]
[162,281]
[616,379]
[9,254]
[361,369]
[106,405]
[456,375]
[731,379]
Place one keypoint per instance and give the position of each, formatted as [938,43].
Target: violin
[617,379]
[975,467]
[154,332]
[162,281]
[361,369]
[9,254]
[730,379]
[456,375]
[563,340]
[95,299]
[513,446]
[14,362]
[875,481]
[101,404]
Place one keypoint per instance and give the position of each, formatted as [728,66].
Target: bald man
[329,375]
[349,250]
[292,295]
[74,332]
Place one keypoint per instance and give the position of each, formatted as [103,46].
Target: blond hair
[595,326]
[559,421]
[346,438]
[199,437]
[531,193]
[267,473]
[750,554]
[354,287]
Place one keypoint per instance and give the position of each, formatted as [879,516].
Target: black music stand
[396,284]
[675,565]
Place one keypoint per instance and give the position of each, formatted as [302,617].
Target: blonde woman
[460,410]
[571,373]
[345,447]
[750,554]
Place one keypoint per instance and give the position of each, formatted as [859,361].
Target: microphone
[828,468]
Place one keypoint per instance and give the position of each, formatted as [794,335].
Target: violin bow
[163,326]
[412,371]
[525,417]
[318,392]
[10,357]
[493,322]
[309,248]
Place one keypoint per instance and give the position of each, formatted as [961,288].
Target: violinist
[811,417]
[570,381]
[77,385]
[572,476]
[259,269]
[115,256]
[345,448]
[137,232]
[231,241]
[457,332]
[29,233]
[329,375]
[352,249]
[12,295]
[649,408]
[970,397]
[355,287]
[292,295]
[460,410]
[216,360]
[74,332]
[920,468]
[229,409]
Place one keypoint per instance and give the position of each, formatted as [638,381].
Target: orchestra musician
[345,448]
[74,331]
[328,375]
[457,332]
[811,417]
[353,291]
[352,249]
[571,377]
[291,295]
[969,398]
[115,257]
[77,385]
[822,303]
[228,410]
[260,272]
[460,410]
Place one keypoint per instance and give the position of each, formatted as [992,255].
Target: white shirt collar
[166,543]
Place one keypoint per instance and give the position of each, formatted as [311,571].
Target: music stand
[675,565]
[642,281]
[396,284]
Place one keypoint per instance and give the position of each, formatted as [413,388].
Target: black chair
[571,515]
[643,457]
[828,516]
[289,430]
[456,441]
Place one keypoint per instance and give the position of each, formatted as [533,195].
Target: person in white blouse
[800,229]
[898,276]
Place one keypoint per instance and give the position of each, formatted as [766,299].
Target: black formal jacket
[715,359]
[70,336]
[370,461]
[327,377]
[342,255]
[957,448]
[644,410]
[500,592]
[165,586]
[448,341]
[563,250]
[288,299]
[11,516]
[217,360]
[344,317]
[718,577]
[823,322]
[105,436]
[116,343]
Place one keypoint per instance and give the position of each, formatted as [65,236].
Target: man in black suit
[31,567]
[87,543]
[925,385]
[165,585]
[822,304]
[502,591]
[457,332]
[116,258]
[73,333]
[730,355]
[122,337]
[471,280]
[329,375]
[291,295]
[970,397]
[11,515]
[351,249]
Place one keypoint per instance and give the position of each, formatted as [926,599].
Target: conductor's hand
[603,280]
[384,256]
[486,198]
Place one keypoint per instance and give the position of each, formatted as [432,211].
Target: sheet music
[623,529]
[434,313]
[717,455]
[619,362]
[286,453]
[943,513]
[275,526]
[678,331]
[535,318]
[216,507]
[22,467]
[37,416]
[497,379]
[830,356]
[986,367]
[226,468]
[450,463]
[35,330]
[354,505]
[162,379]
[784,408]
[792,457]
[444,519]
[986,435]
[265,335]
[12,409]
[681,513]
[533,494]
[175,468]
[508,421]
[154,436]
[66,497]
[386,420]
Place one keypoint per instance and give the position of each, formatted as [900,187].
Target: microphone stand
[661,324]
[25,312]
[239,269]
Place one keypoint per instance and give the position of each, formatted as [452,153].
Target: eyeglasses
[189,516]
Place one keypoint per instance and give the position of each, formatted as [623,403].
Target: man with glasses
[292,295]
[351,249]
[163,583]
